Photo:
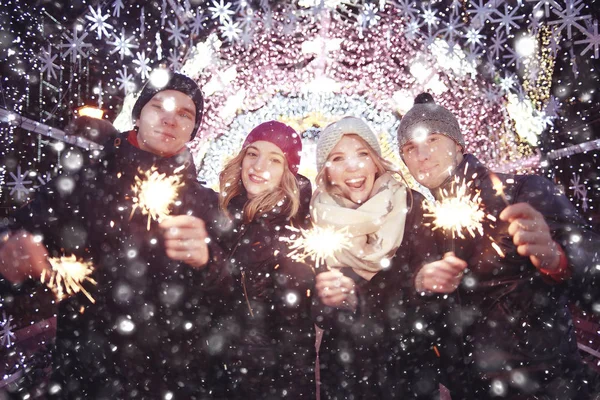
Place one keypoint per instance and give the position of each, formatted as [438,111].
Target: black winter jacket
[384,350]
[149,331]
[510,331]
[271,335]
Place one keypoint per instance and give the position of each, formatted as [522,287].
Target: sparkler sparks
[318,243]
[155,193]
[498,187]
[67,277]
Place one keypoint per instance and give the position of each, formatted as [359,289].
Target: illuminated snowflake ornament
[6,334]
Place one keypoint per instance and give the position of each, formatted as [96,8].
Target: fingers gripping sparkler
[318,243]
[67,277]
[154,193]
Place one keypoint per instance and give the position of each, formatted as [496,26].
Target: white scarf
[376,227]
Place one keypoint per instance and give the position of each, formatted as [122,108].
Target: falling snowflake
[547,4]
[221,11]
[592,40]
[48,64]
[75,46]
[569,17]
[123,45]
[177,36]
[99,23]
[19,181]
[117,5]
[508,19]
[6,333]
[231,31]
[143,65]
[125,81]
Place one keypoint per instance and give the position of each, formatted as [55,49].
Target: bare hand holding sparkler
[67,277]
[186,240]
[442,276]
[22,256]
[531,235]
[336,290]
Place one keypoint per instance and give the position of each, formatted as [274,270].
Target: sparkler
[458,211]
[318,243]
[498,187]
[67,276]
[155,192]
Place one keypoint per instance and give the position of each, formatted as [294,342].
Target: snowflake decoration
[407,8]
[547,4]
[248,20]
[512,57]
[142,23]
[6,333]
[481,12]
[174,60]
[43,180]
[569,17]
[498,44]
[125,81]
[231,31]
[177,36]
[429,17]
[368,17]
[220,10]
[99,23]
[117,6]
[197,24]
[48,64]
[507,83]
[18,183]
[412,29]
[143,65]
[75,46]
[473,37]
[579,190]
[592,40]
[123,45]
[508,19]
[451,28]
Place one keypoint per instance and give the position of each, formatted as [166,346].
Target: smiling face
[262,168]
[350,168]
[166,123]
[431,159]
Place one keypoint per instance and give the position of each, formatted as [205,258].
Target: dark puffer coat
[271,335]
[385,349]
[511,333]
[149,331]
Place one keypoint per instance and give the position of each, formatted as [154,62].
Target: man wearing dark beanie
[507,332]
[158,283]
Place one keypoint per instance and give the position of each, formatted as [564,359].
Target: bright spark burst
[67,276]
[155,192]
[498,187]
[318,243]
[457,212]
[460,210]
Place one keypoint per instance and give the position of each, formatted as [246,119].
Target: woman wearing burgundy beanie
[272,343]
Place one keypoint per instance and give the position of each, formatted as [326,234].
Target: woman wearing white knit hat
[371,282]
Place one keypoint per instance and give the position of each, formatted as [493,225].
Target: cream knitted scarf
[376,226]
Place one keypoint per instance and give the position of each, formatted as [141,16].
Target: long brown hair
[286,195]
[381,164]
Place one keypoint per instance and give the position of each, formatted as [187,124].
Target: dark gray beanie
[427,117]
[178,82]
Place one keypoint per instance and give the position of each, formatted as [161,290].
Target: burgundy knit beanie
[281,136]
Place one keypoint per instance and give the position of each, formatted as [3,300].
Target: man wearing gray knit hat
[501,285]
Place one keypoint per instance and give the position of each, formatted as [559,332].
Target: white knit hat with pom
[333,133]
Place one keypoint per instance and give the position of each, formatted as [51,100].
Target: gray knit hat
[431,118]
[333,133]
